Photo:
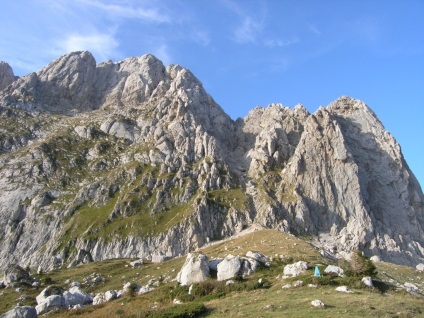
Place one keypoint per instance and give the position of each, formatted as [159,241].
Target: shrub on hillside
[360,265]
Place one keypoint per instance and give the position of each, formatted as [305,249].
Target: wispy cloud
[280,43]
[128,10]
[248,31]
[314,30]
[103,46]
[251,24]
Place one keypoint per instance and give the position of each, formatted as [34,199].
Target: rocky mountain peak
[139,161]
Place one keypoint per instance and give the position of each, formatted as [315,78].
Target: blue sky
[248,53]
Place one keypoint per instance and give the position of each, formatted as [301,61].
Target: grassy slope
[243,299]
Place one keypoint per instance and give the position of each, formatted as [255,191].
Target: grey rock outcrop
[15,274]
[138,161]
[21,312]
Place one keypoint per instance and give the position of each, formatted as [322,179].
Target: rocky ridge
[135,159]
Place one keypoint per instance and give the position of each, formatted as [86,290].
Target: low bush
[180,311]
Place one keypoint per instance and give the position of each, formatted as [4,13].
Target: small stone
[229,282]
[420,267]
[137,263]
[344,289]
[298,283]
[317,303]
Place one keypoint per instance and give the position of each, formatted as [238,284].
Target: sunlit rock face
[135,159]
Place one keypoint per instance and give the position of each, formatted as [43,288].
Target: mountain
[135,159]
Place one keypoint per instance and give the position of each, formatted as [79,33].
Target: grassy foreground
[246,297]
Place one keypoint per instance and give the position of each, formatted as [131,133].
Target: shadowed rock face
[135,159]
[6,75]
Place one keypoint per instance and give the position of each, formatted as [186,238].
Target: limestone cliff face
[135,159]
[6,75]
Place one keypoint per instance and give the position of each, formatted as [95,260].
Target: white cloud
[102,46]
[129,11]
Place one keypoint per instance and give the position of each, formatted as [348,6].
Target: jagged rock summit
[135,159]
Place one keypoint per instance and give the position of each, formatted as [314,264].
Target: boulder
[99,299]
[194,270]
[367,281]
[21,312]
[375,259]
[76,296]
[295,269]
[258,257]
[105,297]
[229,267]
[53,302]
[331,269]
[111,294]
[16,274]
[46,292]
[246,267]
[420,267]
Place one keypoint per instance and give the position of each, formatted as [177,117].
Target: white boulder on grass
[99,299]
[229,267]
[75,296]
[375,259]
[46,292]
[194,270]
[295,269]
[367,281]
[420,267]
[344,289]
[317,303]
[53,302]
[331,269]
